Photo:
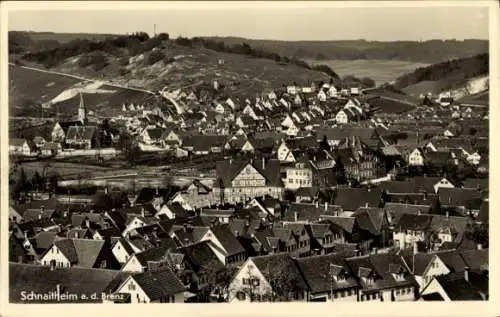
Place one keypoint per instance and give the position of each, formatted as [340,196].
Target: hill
[467,73]
[149,64]
[432,51]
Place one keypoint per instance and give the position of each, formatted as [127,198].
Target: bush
[153,57]
[96,60]
[124,61]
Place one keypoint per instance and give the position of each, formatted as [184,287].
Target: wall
[298,177]
[248,270]
[137,295]
[120,254]
[133,265]
[436,267]
[55,254]
[435,287]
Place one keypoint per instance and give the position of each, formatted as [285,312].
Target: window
[342,294]
[349,292]
[335,295]
[131,287]
[53,250]
[374,296]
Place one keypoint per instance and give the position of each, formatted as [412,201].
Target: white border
[490,308]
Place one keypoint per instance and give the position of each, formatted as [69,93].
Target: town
[306,192]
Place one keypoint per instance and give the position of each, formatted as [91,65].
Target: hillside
[433,51]
[159,64]
[466,76]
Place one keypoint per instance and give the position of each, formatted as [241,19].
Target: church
[77,134]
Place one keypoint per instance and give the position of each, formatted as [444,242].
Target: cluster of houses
[321,195]
[80,133]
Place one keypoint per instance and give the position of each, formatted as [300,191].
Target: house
[416,158]
[267,205]
[225,245]
[431,184]
[122,250]
[299,175]
[371,228]
[410,229]
[245,121]
[153,286]
[460,286]
[200,263]
[328,278]
[243,180]
[139,262]
[342,116]
[51,148]
[424,266]
[172,210]
[204,144]
[324,237]
[80,253]
[383,277]
[302,237]
[60,130]
[38,141]
[321,96]
[82,137]
[462,200]
[284,153]
[267,278]
[33,210]
[19,147]
[26,278]
[352,198]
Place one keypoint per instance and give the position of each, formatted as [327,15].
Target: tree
[368,82]
[323,145]
[479,233]
[129,147]
[37,181]
[163,36]
[20,184]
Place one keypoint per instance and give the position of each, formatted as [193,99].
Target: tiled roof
[380,265]
[370,219]
[394,211]
[469,198]
[159,284]
[319,270]
[152,254]
[414,222]
[75,280]
[458,289]
[81,132]
[201,257]
[277,266]
[81,252]
[352,198]
[419,262]
[227,239]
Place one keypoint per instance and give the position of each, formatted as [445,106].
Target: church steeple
[82,113]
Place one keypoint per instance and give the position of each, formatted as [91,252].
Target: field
[381,71]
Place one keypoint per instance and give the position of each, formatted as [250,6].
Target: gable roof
[226,171]
[83,133]
[458,289]
[201,257]
[370,219]
[319,270]
[159,284]
[276,266]
[469,198]
[352,198]
[227,239]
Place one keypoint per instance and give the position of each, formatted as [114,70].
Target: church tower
[82,113]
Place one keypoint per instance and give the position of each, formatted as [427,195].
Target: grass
[381,71]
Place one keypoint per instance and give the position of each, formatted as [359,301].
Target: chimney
[415,247]
[317,204]
[236,233]
[479,246]
[263,163]
[366,205]
[157,193]
[106,190]
[466,273]
[326,205]
[143,212]
[447,214]
[419,212]
[295,216]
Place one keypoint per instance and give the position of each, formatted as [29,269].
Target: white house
[122,250]
[300,175]
[19,147]
[424,267]
[341,117]
[332,91]
[284,153]
[321,95]
[416,158]
[160,286]
[292,90]
[287,121]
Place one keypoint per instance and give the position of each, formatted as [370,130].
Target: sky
[273,22]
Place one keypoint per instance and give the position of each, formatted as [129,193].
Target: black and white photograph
[247,153]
